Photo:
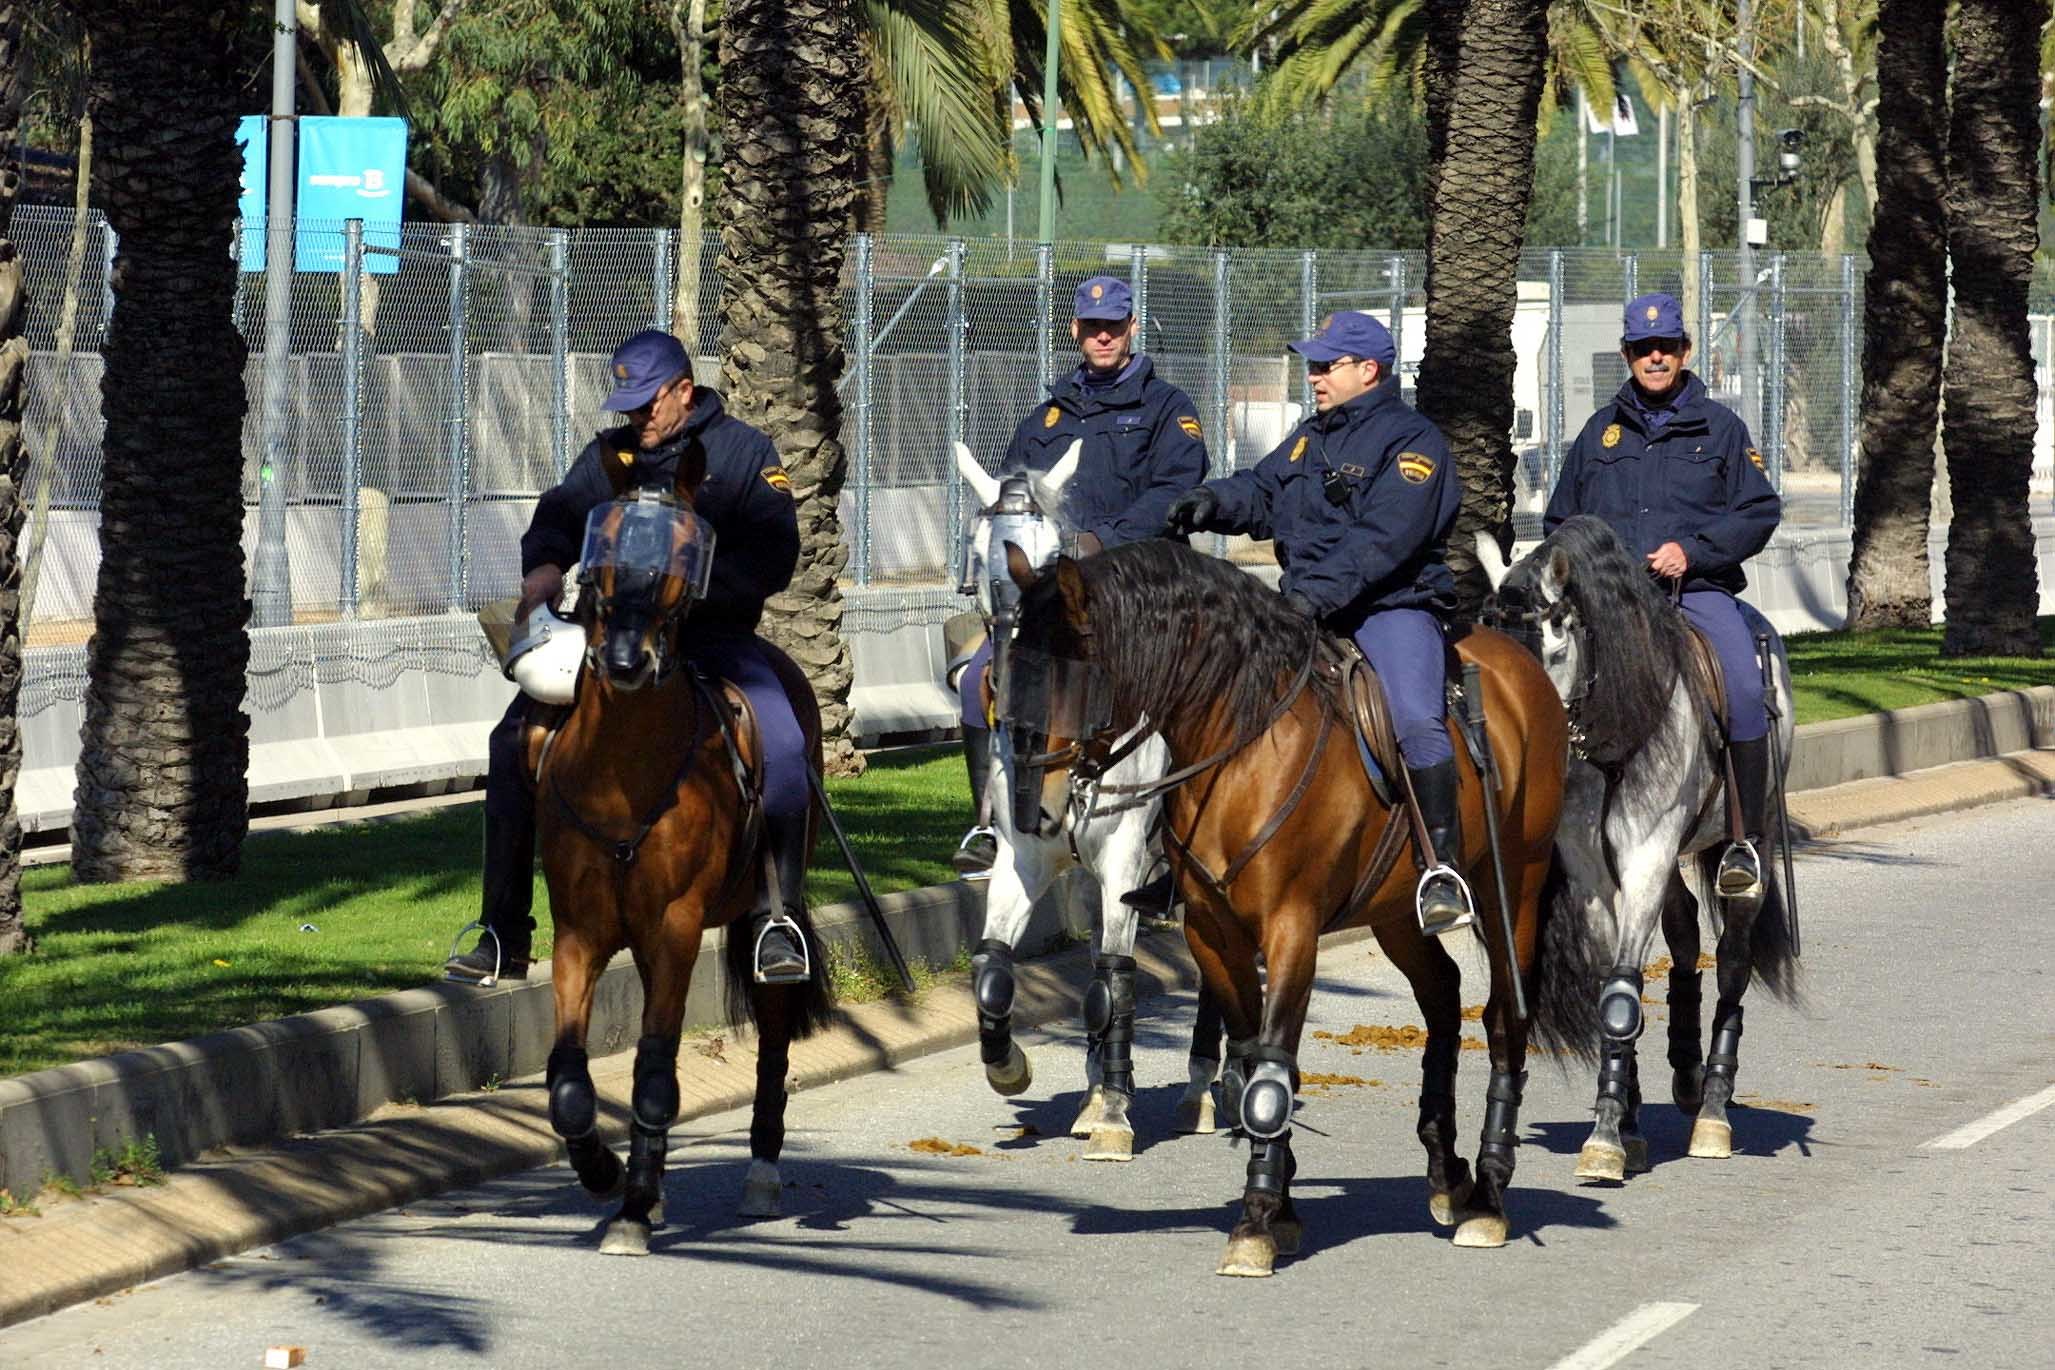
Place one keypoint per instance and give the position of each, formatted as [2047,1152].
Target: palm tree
[1904,321]
[1988,387]
[792,93]
[14,471]
[164,751]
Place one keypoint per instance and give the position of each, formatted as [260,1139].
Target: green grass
[1838,675]
[120,966]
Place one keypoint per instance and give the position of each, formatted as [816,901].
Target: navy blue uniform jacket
[1384,546]
[747,498]
[1698,482]
[1143,448]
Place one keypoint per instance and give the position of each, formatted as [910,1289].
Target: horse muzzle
[627,659]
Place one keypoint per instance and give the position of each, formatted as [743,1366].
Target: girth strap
[1276,821]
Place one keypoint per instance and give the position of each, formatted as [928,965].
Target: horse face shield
[1013,518]
[646,559]
[1052,706]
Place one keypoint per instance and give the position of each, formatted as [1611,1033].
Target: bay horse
[1644,791]
[1276,834]
[1114,842]
[649,830]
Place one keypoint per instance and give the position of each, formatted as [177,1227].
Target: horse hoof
[1637,1155]
[1711,1140]
[625,1237]
[1288,1235]
[1110,1144]
[1089,1114]
[1250,1257]
[1445,1206]
[1195,1116]
[1013,1075]
[1602,1161]
[1482,1230]
[762,1192]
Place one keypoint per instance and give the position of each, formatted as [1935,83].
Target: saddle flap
[1714,679]
[1370,714]
[748,740]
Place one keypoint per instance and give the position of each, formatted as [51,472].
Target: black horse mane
[1645,648]
[1182,634]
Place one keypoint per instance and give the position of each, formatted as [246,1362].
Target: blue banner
[253,132]
[350,169]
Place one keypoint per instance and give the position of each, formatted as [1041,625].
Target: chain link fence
[441,380]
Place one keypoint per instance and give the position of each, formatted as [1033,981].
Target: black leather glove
[1192,511]
[1299,604]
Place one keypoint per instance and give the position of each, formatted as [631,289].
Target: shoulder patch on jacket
[1611,436]
[1298,448]
[775,477]
[1190,426]
[1755,457]
[1049,419]
[1416,467]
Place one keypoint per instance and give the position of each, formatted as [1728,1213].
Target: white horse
[1109,831]
[1645,790]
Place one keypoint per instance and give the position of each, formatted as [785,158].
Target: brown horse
[1276,836]
[649,832]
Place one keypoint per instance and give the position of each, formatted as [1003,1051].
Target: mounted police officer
[747,499]
[1143,447]
[1359,501]
[1676,476]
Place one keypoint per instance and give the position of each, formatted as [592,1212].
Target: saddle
[1369,712]
[734,717]
[1714,678]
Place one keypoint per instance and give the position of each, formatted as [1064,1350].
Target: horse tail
[1563,986]
[1770,959]
[808,1007]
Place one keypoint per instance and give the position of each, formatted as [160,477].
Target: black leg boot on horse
[774,923]
[574,1115]
[508,884]
[1740,873]
[1443,897]
[1269,1226]
[1110,1022]
[1611,1150]
[980,846]
[654,1106]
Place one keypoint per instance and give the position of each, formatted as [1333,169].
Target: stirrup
[499,956]
[965,866]
[764,926]
[1463,920]
[1731,865]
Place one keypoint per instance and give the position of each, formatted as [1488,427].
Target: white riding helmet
[545,655]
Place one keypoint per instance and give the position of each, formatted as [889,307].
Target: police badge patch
[1755,457]
[775,477]
[1416,467]
[1049,419]
[1611,436]
[1298,448]
[1190,426]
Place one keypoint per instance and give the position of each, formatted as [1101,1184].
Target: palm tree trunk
[1904,323]
[792,105]
[688,26]
[1988,401]
[164,751]
[14,471]
[1473,259]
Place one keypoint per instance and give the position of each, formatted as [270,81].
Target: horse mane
[1183,634]
[1647,649]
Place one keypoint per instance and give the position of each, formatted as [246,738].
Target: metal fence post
[458,422]
[660,279]
[1223,463]
[1397,271]
[1849,384]
[1045,308]
[860,464]
[352,402]
[110,244]
[954,415]
[1138,282]
[1553,382]
[1705,280]
[1309,318]
[560,349]
[1773,401]
[1630,278]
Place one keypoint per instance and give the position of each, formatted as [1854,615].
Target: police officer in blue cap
[1359,501]
[1676,476]
[747,498]
[1143,447]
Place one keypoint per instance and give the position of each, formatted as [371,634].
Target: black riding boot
[980,846]
[1740,871]
[508,879]
[780,954]
[1443,900]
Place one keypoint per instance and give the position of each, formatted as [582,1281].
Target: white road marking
[1969,1134]
[1626,1336]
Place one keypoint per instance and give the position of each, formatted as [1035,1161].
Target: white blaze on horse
[1108,829]
[1647,793]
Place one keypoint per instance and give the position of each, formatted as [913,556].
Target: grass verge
[1839,675]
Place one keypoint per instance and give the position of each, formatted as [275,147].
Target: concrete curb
[1839,809]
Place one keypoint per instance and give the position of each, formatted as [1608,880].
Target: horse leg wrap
[1110,1018]
[1271,1165]
[1684,999]
[1234,1077]
[573,1108]
[1619,1021]
[1272,1080]
[656,1083]
[991,987]
[1725,1057]
[646,1148]
[1501,1123]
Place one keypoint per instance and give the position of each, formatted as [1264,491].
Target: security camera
[1790,140]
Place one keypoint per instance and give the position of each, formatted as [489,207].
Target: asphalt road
[1838,1234]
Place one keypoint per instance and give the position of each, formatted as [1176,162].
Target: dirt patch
[1474,1013]
[1850,1065]
[1378,1037]
[1780,1105]
[1317,1079]
[936,1146]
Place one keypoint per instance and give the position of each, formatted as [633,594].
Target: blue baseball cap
[643,365]
[1350,333]
[1652,316]
[1103,297]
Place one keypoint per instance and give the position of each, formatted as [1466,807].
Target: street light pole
[1050,60]
[271,596]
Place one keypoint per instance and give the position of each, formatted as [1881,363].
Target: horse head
[646,560]
[1020,509]
[1532,604]
[1054,697]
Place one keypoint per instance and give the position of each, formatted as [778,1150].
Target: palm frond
[937,78]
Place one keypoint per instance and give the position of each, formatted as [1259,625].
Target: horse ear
[1049,488]
[1019,567]
[1491,558]
[982,484]
[1071,581]
[1555,573]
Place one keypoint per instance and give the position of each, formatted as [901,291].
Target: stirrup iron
[1738,849]
[785,921]
[499,956]
[1440,871]
[975,874]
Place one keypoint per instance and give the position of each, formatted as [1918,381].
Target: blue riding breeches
[970,686]
[741,659]
[1717,614]
[1407,650]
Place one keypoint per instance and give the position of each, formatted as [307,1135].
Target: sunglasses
[1322,368]
[1643,347]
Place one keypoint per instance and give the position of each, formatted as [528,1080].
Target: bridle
[1524,624]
